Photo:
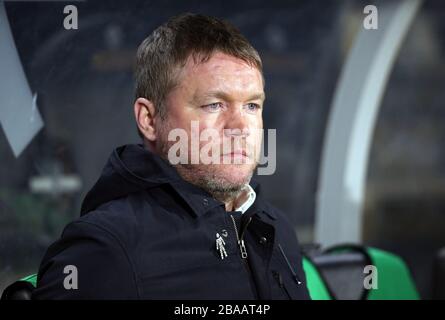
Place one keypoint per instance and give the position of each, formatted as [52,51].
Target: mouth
[237,157]
[238,153]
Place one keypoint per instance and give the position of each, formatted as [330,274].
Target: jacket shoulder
[119,217]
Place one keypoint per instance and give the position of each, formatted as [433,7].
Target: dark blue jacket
[145,233]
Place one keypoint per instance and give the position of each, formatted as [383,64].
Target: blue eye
[213,107]
[252,107]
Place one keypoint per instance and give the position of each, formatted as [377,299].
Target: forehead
[221,72]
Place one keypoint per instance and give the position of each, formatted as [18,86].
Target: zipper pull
[242,248]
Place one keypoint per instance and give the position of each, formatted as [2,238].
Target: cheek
[211,126]
[255,140]
[258,121]
[209,135]
[256,128]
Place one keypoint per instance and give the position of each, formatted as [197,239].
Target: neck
[231,200]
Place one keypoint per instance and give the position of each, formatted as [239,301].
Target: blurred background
[81,84]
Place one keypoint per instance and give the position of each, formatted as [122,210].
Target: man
[154,228]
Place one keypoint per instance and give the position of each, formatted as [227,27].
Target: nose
[237,123]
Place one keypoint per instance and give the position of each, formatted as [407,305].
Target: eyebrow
[225,96]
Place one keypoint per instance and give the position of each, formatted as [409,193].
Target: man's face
[224,94]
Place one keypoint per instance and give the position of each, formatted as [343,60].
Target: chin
[235,174]
[217,177]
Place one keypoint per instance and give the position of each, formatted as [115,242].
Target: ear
[144,112]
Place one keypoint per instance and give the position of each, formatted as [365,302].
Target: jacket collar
[132,168]
[202,202]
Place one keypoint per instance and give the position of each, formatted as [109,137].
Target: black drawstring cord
[294,275]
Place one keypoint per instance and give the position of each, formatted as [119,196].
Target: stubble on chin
[210,177]
[213,180]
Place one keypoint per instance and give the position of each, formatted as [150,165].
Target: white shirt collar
[251,196]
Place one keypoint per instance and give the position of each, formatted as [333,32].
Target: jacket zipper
[243,250]
[294,275]
[240,240]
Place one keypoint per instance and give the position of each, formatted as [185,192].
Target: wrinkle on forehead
[221,72]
